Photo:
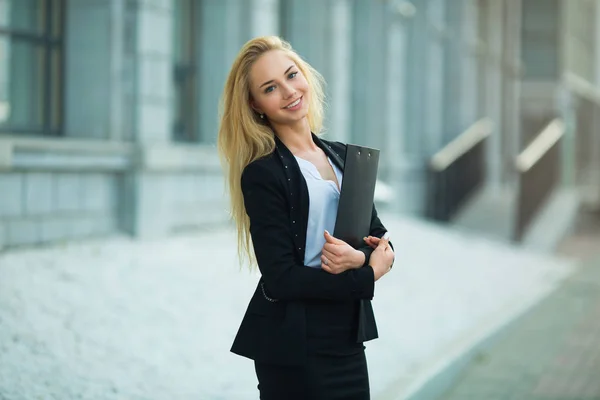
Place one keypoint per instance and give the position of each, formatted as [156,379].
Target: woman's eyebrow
[271,81]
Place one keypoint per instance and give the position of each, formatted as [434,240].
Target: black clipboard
[357,194]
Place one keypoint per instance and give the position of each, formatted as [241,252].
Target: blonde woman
[311,312]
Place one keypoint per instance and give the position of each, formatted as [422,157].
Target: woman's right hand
[382,259]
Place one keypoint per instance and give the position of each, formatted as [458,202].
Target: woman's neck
[297,138]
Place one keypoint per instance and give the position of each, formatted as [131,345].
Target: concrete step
[492,213]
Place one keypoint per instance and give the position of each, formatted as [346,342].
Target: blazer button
[293,222]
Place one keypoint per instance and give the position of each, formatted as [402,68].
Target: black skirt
[324,377]
[336,368]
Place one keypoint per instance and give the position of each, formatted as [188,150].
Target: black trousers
[324,377]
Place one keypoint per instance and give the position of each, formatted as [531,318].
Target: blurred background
[109,109]
[487,113]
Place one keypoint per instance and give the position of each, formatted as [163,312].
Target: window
[581,42]
[540,39]
[184,52]
[31,66]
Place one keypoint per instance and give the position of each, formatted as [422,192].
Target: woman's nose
[288,91]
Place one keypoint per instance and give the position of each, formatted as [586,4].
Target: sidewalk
[551,352]
[154,319]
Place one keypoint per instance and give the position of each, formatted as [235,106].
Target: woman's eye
[269,89]
[292,75]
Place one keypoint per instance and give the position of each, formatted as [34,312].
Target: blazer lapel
[331,153]
[297,194]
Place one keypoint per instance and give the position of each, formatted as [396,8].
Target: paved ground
[154,320]
[553,351]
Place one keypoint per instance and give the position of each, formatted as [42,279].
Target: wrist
[360,258]
[379,269]
[376,272]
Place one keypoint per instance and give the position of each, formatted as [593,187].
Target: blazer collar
[285,153]
[331,153]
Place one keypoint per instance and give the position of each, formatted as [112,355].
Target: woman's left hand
[372,241]
[338,256]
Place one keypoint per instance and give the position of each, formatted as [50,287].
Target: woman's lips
[297,106]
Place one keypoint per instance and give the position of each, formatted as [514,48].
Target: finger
[332,248]
[369,242]
[329,262]
[383,243]
[329,269]
[331,239]
[330,256]
[372,245]
[373,240]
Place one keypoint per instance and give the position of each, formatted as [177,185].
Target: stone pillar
[492,29]
[116,70]
[221,35]
[340,80]
[417,75]
[395,162]
[409,72]
[153,86]
[265,17]
[149,90]
[597,43]
[306,24]
[596,114]
[468,63]
[512,88]
[5,72]
[437,30]
[368,68]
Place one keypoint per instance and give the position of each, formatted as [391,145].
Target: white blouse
[322,212]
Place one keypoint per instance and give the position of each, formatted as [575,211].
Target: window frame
[50,41]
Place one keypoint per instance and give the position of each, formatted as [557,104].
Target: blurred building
[109,108]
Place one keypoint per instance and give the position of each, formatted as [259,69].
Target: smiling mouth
[294,104]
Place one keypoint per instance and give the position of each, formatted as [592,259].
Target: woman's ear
[255,107]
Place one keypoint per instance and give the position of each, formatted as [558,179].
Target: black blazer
[276,199]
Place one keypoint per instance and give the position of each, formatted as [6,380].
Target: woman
[310,314]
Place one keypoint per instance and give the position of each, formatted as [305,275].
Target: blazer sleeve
[378,230]
[273,241]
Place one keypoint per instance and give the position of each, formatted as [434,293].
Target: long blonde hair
[244,136]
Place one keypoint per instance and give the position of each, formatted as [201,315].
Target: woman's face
[278,88]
